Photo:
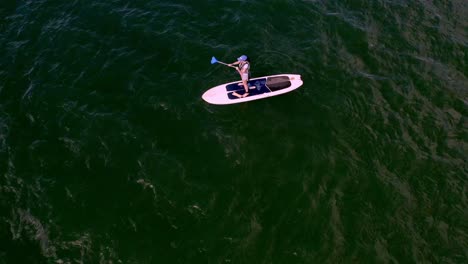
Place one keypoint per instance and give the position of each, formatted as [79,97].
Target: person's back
[244,67]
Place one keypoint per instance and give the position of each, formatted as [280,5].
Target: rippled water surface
[108,154]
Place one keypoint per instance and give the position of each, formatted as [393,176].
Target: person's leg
[245,78]
[246,88]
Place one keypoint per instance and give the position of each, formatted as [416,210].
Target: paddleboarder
[243,69]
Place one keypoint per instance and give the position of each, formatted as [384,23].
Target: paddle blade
[213,60]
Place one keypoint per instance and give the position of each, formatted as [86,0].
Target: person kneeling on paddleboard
[243,69]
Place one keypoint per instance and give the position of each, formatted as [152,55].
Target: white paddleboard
[259,88]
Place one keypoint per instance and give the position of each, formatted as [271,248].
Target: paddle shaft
[226,64]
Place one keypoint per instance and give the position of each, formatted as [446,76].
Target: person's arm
[244,69]
[241,71]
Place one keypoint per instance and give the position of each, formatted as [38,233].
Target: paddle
[214,60]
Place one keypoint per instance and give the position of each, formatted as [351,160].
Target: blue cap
[242,58]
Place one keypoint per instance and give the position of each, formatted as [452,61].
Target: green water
[108,154]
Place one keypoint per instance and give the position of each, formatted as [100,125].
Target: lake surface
[108,154]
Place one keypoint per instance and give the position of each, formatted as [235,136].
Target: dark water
[109,155]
